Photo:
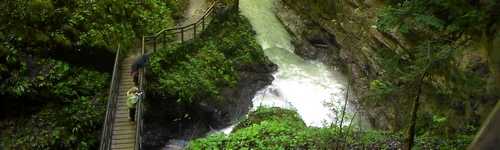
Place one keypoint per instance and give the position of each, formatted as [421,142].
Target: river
[315,90]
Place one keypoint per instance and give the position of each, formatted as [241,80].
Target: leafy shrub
[72,116]
[75,125]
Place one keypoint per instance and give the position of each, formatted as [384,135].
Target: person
[132,98]
[135,76]
[138,64]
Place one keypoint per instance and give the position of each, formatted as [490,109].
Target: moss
[271,114]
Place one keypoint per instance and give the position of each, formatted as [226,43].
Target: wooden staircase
[123,137]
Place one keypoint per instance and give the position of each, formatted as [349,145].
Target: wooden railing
[180,34]
[107,130]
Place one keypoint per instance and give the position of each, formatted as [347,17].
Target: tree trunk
[411,131]
[491,41]
[237,5]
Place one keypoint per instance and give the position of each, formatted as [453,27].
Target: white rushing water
[310,87]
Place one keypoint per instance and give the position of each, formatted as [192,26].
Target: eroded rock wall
[345,41]
[343,34]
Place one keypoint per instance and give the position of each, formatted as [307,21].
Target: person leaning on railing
[133,95]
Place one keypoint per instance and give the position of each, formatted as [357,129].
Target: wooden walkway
[118,132]
[123,130]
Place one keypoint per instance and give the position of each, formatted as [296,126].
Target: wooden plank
[121,119]
[127,145]
[127,84]
[122,132]
[122,101]
[122,108]
[124,137]
[126,80]
[122,123]
[121,115]
[123,149]
[123,141]
[124,126]
[122,112]
[124,119]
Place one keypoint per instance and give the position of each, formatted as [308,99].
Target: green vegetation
[441,34]
[276,128]
[199,70]
[265,129]
[53,97]
[68,102]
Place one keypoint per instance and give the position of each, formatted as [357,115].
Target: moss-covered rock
[271,114]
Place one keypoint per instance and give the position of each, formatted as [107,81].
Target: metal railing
[140,106]
[181,34]
[107,132]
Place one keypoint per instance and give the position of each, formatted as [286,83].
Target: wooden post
[194,34]
[203,23]
[164,40]
[154,44]
[237,5]
[143,39]
[182,35]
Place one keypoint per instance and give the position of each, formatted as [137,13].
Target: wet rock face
[310,40]
[168,123]
[347,42]
[252,78]
[317,46]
